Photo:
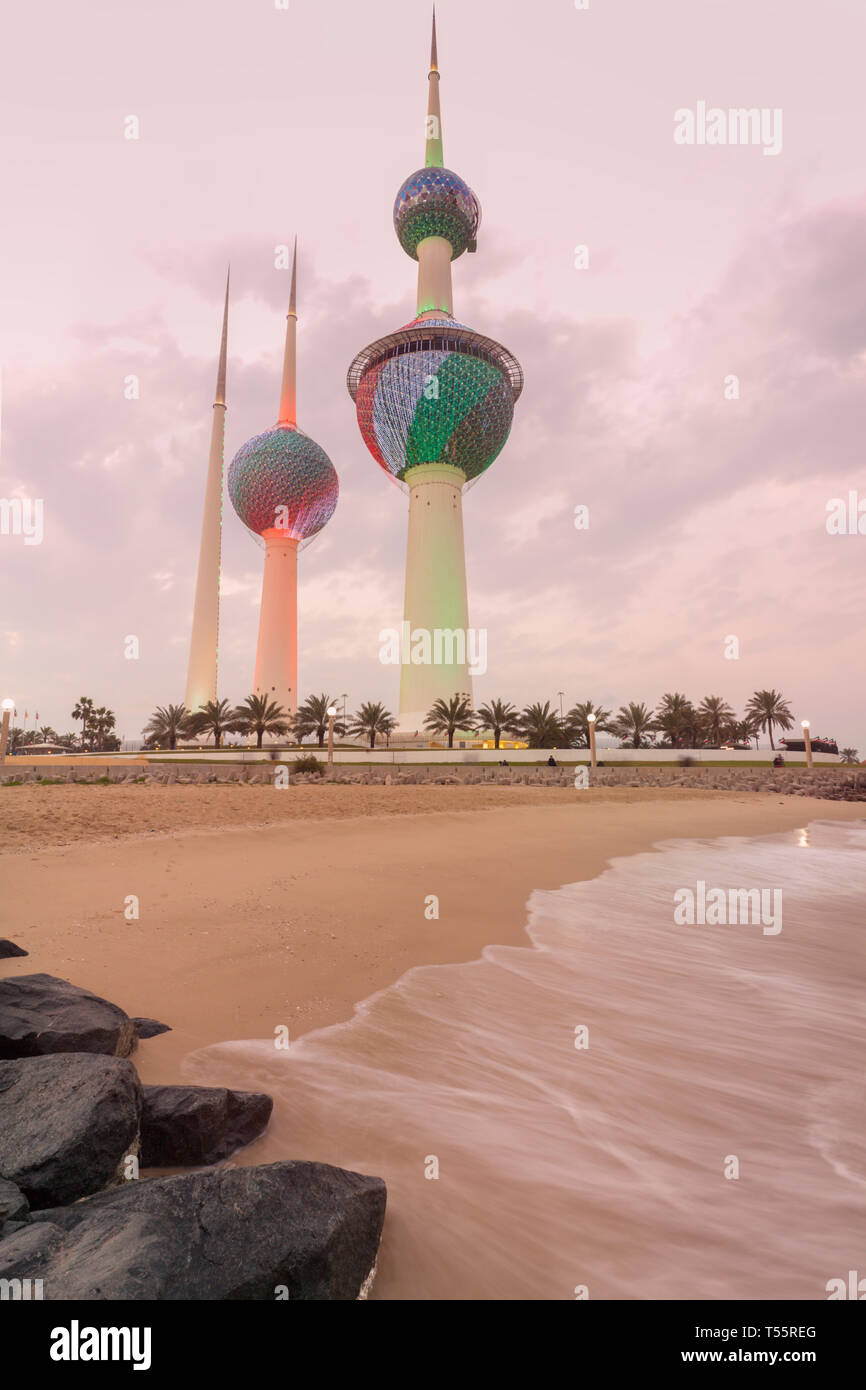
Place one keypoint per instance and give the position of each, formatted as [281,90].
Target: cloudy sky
[707,515]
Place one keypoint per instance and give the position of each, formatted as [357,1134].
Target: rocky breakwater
[827,781]
[76,1129]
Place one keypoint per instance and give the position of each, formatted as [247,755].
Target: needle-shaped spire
[434,155]
[288,401]
[220,397]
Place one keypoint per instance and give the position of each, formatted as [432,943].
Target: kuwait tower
[201,680]
[435,403]
[284,488]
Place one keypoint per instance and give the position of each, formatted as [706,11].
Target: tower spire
[220,396]
[288,400]
[435,157]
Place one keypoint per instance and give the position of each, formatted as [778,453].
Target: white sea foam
[605,1167]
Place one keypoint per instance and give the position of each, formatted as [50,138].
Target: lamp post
[332,714]
[808,741]
[7,707]
[590,719]
[560,693]
[344,698]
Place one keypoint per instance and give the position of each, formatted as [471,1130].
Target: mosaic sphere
[435,405]
[282,480]
[436,202]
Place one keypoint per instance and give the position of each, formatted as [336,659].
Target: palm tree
[769,708]
[541,727]
[717,719]
[849,755]
[447,716]
[103,722]
[743,731]
[577,723]
[634,724]
[258,715]
[499,716]
[312,718]
[84,711]
[677,718]
[16,739]
[371,720]
[47,734]
[167,724]
[216,717]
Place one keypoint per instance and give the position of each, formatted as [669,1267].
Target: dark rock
[231,1233]
[149,1027]
[32,1247]
[40,1014]
[199,1124]
[13,1204]
[68,1121]
[8,948]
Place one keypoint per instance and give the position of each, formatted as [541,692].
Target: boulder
[199,1124]
[8,948]
[14,1206]
[41,1014]
[280,1230]
[68,1121]
[149,1027]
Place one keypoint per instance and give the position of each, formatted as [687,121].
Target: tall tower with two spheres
[435,402]
[284,488]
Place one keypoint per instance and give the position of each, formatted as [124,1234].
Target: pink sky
[707,516]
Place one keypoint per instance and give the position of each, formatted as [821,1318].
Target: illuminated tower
[201,680]
[435,402]
[284,488]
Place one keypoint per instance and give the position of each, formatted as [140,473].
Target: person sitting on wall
[778,761]
[551,762]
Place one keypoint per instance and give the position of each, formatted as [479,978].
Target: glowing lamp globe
[435,392]
[436,202]
[7,706]
[282,481]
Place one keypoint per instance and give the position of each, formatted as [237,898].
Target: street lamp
[590,719]
[7,707]
[560,693]
[808,740]
[344,698]
[332,714]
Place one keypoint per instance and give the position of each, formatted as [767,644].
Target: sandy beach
[258,910]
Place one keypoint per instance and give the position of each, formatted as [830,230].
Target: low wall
[516,757]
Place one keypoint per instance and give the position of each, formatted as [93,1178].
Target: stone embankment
[830,782]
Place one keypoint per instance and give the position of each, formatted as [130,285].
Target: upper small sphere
[436,202]
[283,481]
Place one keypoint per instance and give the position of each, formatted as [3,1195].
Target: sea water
[626,1107]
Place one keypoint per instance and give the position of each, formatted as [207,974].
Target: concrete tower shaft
[201,681]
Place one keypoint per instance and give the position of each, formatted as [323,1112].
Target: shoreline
[294,923]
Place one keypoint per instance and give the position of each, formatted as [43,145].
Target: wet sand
[259,910]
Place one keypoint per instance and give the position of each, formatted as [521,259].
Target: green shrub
[310,763]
